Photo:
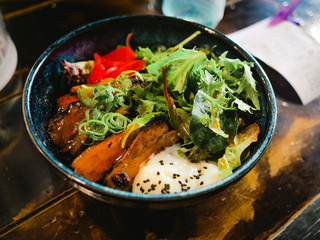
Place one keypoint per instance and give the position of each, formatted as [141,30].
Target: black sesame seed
[201,183]
[175,175]
[205,167]
[161,162]
[142,190]
[166,188]
[138,184]
[158,173]
[171,163]
[159,182]
[184,188]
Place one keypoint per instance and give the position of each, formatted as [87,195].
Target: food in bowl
[156,120]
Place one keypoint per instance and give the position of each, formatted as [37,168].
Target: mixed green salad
[209,100]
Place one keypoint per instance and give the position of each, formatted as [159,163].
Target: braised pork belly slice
[150,140]
[63,129]
[99,158]
[65,100]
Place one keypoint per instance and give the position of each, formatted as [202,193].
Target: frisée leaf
[179,63]
[232,157]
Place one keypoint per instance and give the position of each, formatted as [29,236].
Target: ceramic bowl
[44,85]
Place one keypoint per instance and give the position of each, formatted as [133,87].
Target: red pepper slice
[135,65]
[113,64]
[98,70]
[122,54]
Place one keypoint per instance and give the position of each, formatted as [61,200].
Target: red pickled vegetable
[113,64]
[97,72]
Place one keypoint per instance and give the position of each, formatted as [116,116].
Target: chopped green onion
[99,120]
[94,128]
[115,121]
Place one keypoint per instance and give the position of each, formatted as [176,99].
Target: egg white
[168,172]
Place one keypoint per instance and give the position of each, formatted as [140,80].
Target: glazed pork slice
[151,140]
[65,100]
[63,128]
[99,158]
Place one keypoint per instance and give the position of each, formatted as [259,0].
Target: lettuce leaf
[248,87]
[179,63]
[240,79]
[232,157]
[211,126]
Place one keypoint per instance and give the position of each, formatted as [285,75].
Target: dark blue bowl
[44,85]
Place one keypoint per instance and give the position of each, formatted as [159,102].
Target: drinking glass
[8,55]
[205,12]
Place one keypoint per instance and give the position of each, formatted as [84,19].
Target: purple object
[284,13]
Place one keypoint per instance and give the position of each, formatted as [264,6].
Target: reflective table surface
[278,199]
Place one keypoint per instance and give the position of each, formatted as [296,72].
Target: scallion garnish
[99,120]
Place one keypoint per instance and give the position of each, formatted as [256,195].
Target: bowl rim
[114,193]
